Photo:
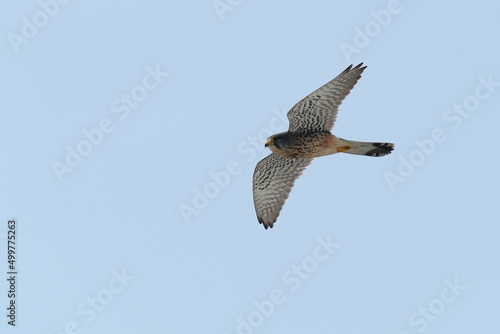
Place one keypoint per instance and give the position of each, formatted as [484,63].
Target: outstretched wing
[318,110]
[273,180]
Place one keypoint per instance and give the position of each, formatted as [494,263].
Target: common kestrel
[308,137]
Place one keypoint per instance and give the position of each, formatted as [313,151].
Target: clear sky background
[130,132]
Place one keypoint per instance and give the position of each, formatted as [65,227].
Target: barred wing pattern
[273,180]
[318,111]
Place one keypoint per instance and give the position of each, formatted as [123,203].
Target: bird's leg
[343,148]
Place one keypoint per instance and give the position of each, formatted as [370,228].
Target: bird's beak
[268,141]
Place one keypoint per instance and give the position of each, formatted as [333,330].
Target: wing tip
[357,67]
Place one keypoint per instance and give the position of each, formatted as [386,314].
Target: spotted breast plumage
[308,137]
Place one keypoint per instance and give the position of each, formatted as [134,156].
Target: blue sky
[130,132]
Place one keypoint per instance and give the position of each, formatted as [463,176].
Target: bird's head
[270,141]
[277,142]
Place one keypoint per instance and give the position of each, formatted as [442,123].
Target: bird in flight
[308,137]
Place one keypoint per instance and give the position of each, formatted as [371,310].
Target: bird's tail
[366,148]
